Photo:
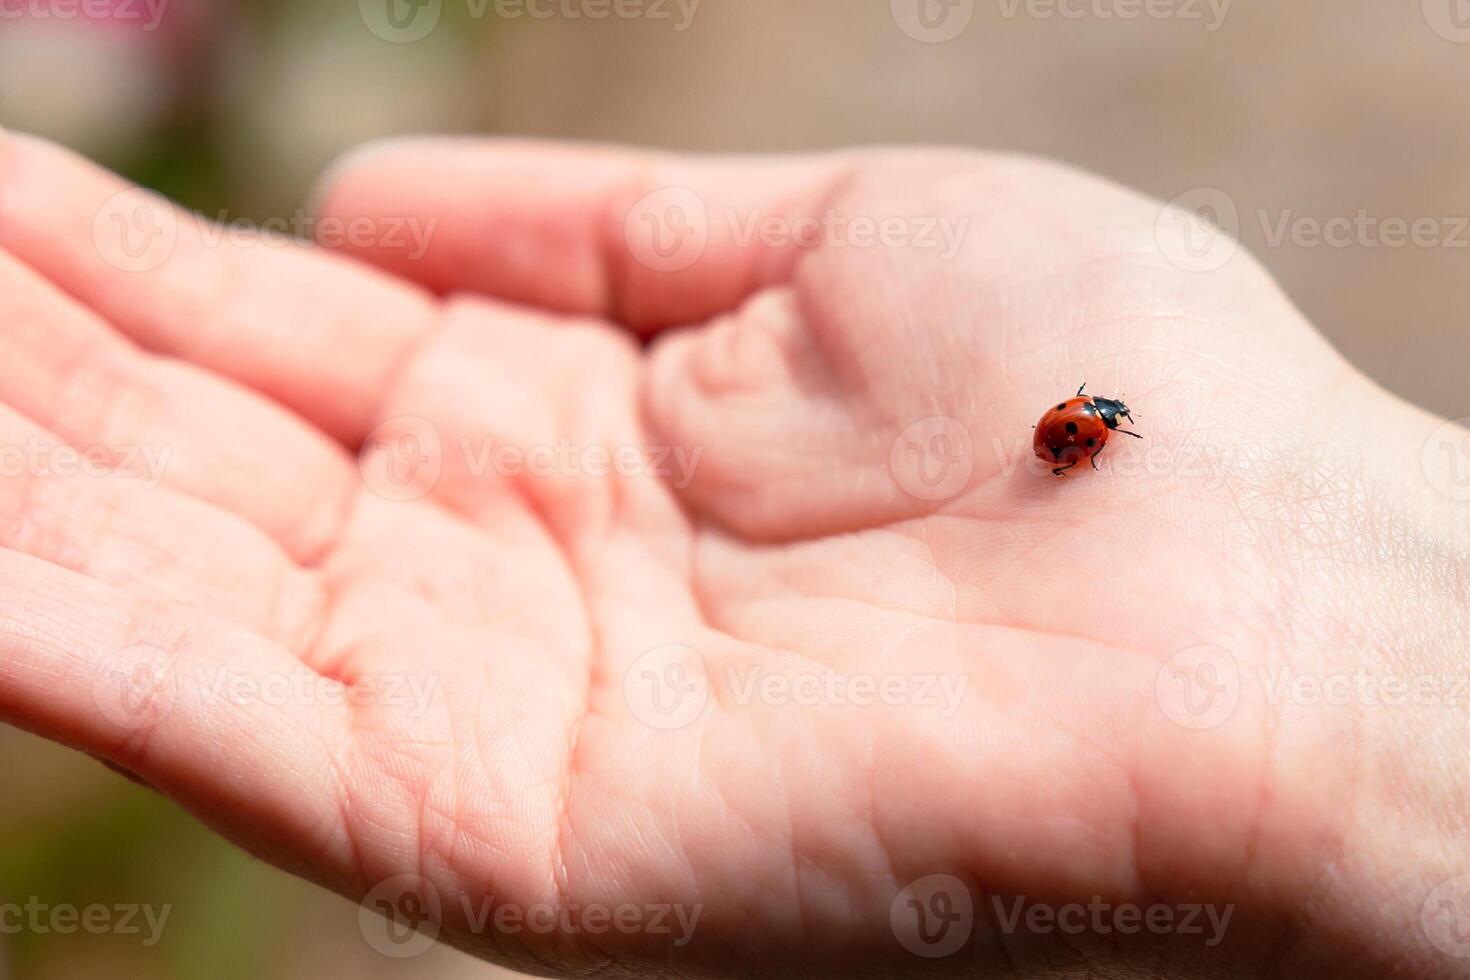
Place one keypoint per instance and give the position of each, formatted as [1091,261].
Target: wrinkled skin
[1279,513]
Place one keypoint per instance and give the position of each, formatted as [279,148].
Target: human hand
[558,676]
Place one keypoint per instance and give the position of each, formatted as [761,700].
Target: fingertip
[361,159]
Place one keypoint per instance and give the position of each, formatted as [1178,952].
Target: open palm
[757,621]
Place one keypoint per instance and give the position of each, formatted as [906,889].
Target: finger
[321,335]
[234,727]
[148,541]
[647,239]
[168,420]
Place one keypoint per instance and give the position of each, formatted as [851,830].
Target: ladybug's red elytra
[1078,429]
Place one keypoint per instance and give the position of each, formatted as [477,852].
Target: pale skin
[1279,510]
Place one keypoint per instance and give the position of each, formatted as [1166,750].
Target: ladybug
[1078,429]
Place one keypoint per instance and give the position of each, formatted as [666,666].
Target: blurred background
[1330,124]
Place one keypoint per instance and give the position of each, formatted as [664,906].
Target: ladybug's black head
[1111,411]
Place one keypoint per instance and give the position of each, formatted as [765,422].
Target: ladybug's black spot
[1091,443]
[1062,407]
[1071,428]
[1057,452]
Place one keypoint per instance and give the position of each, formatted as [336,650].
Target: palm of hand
[778,662]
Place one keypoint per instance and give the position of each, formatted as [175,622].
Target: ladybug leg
[1127,433]
[1063,469]
[1080,390]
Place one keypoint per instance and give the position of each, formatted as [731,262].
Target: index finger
[319,334]
[647,239]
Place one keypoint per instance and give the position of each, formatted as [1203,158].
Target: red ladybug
[1078,429]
